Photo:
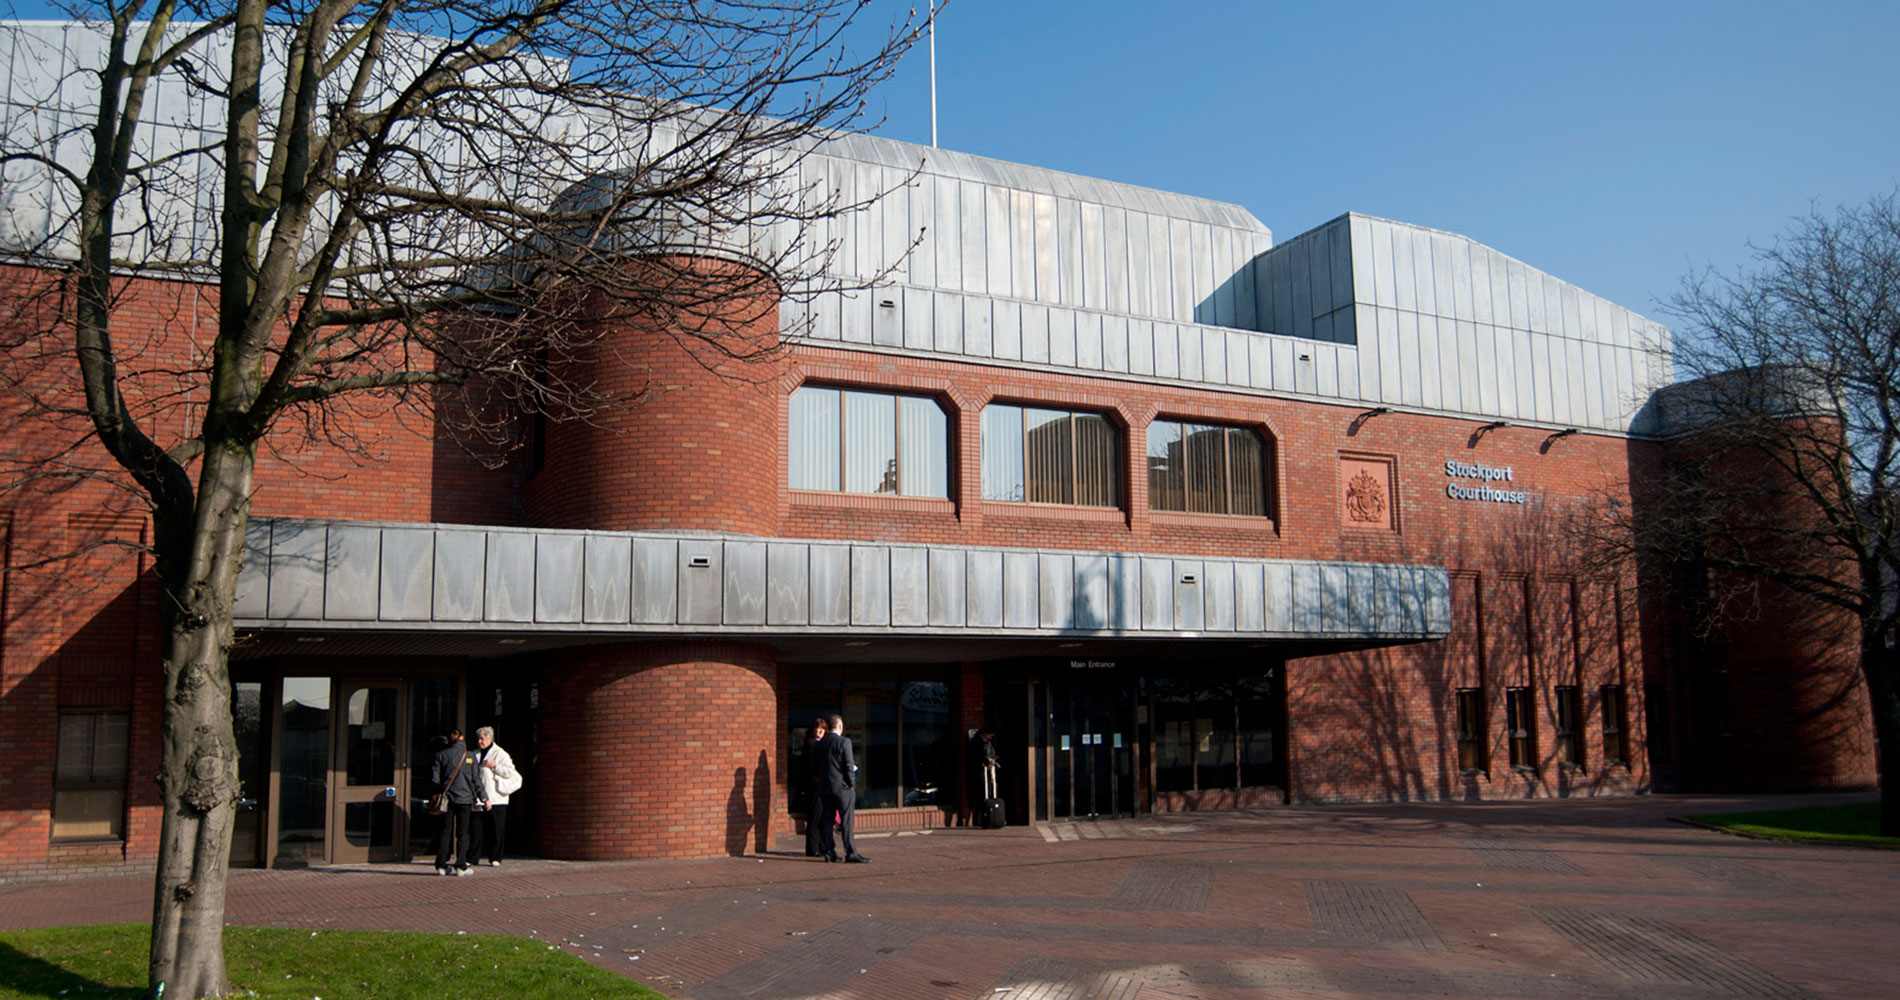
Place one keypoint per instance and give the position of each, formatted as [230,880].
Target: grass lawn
[1857,823]
[109,961]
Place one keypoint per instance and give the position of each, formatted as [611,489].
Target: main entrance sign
[1486,492]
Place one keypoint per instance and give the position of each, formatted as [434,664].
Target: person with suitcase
[990,814]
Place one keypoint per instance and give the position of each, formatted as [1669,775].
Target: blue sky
[1619,146]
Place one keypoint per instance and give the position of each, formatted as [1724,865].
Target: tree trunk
[1878,663]
[198,771]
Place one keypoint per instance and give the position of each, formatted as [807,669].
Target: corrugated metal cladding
[316,574]
[1024,266]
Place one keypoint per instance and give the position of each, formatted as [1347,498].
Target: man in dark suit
[837,780]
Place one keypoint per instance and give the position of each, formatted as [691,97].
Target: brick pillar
[701,446]
[658,750]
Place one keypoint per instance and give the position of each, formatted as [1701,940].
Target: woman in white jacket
[499,779]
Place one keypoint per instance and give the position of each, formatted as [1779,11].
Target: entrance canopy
[553,587]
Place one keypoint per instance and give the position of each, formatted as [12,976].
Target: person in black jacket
[455,776]
[837,792]
[808,779]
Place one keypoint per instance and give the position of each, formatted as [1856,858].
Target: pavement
[1603,898]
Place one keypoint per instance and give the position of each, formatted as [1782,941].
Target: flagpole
[933,73]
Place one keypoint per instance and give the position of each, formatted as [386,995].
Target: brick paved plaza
[1589,899]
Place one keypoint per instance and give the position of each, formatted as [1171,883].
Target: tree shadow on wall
[1527,611]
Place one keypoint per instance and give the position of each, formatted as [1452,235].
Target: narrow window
[89,780]
[845,441]
[1471,755]
[1614,723]
[1569,705]
[1206,468]
[1519,723]
[1033,455]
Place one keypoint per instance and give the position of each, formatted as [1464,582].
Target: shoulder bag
[439,802]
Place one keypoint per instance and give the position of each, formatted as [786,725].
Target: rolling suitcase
[990,814]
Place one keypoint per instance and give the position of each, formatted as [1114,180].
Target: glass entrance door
[370,791]
[1090,742]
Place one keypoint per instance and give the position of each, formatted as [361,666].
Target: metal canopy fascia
[562,587]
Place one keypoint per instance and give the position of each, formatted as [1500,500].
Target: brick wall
[660,750]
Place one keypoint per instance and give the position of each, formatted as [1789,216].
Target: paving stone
[1595,900]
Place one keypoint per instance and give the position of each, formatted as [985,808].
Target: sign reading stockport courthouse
[1487,475]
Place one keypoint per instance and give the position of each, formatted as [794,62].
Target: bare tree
[385,198]
[1787,493]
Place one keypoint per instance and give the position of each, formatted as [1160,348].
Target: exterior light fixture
[1360,420]
[1566,432]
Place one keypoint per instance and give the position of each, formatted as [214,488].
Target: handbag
[439,802]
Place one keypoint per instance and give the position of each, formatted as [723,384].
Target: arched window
[1206,469]
[847,441]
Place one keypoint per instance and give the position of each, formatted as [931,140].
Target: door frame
[336,846]
[269,675]
[1125,717]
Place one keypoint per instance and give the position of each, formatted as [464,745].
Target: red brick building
[1192,520]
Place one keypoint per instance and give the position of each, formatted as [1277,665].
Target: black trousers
[830,838]
[491,834]
[454,836]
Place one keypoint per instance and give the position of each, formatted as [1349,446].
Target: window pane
[870,443]
[109,734]
[89,812]
[1517,704]
[1206,469]
[924,453]
[1098,461]
[434,709]
[1048,457]
[247,714]
[1166,482]
[1259,714]
[1471,729]
[812,452]
[304,780]
[1245,482]
[75,748]
[369,755]
[1174,736]
[1613,723]
[1214,740]
[927,747]
[1003,453]
[1569,714]
[870,723]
